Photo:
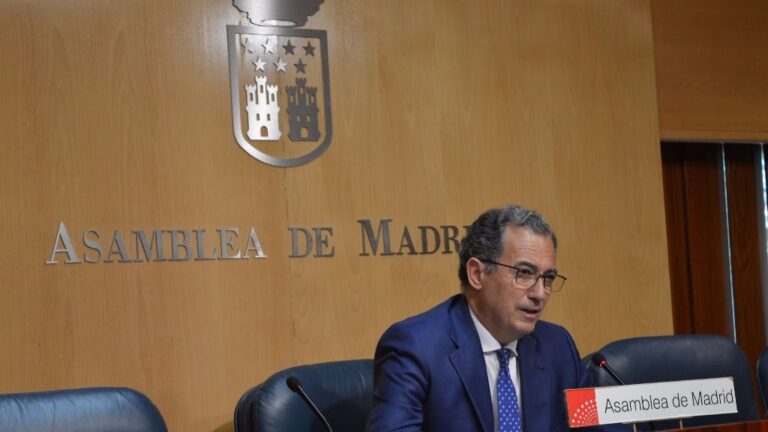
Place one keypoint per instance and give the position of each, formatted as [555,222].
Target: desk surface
[755,426]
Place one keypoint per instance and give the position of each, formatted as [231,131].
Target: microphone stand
[295,385]
[600,360]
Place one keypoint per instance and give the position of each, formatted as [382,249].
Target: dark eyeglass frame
[557,281]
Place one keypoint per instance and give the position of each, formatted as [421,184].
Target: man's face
[508,310]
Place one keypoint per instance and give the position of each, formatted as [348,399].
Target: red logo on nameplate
[582,407]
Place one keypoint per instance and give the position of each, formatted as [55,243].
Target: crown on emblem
[281,13]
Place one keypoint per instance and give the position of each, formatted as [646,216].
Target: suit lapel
[534,383]
[469,363]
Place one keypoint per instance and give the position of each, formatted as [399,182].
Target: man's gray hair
[485,237]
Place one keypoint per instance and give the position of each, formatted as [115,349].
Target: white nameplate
[653,401]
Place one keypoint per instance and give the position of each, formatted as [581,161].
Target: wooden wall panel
[547,119]
[745,223]
[673,157]
[697,239]
[116,116]
[711,63]
[707,253]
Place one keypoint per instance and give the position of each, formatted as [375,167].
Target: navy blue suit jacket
[430,375]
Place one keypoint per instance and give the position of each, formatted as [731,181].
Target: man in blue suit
[482,360]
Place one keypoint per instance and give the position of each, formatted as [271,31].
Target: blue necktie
[509,410]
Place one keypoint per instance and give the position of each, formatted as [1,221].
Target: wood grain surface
[116,116]
[711,63]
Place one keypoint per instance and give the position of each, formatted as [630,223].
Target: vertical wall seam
[763,231]
[727,244]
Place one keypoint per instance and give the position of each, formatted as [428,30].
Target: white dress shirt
[490,345]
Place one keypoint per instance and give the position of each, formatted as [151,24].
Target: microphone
[599,359]
[295,385]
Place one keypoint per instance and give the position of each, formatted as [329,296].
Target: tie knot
[504,355]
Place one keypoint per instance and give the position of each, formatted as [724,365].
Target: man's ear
[475,273]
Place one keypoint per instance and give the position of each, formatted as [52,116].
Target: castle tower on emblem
[263,110]
[302,111]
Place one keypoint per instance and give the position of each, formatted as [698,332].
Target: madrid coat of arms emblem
[281,101]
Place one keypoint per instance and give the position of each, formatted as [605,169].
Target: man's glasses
[526,278]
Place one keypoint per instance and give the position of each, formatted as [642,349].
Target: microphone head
[599,359]
[293,383]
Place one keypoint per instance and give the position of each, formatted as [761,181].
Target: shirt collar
[487,341]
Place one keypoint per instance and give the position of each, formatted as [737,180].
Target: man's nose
[538,291]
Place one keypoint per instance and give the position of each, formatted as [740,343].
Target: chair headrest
[342,390]
[103,409]
[681,357]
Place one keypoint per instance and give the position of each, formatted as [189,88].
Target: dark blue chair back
[342,390]
[80,410]
[682,357]
[762,377]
